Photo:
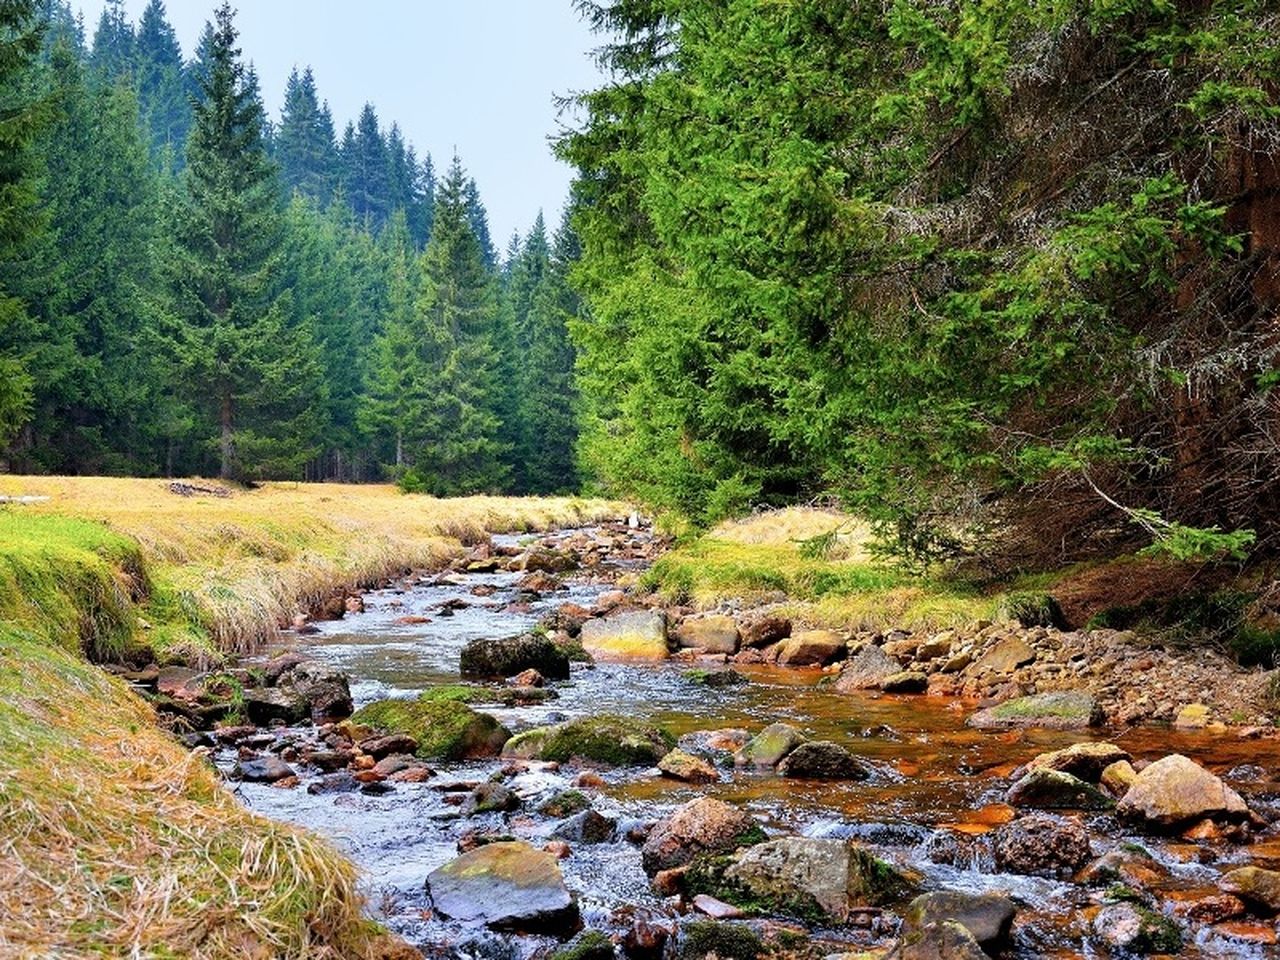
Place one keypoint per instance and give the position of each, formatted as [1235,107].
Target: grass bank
[816,564]
[114,839]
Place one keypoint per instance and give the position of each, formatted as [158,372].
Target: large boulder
[505,886]
[810,648]
[1084,760]
[1062,710]
[769,746]
[443,729]
[1041,846]
[866,670]
[822,760]
[617,741]
[1054,790]
[1176,790]
[987,916]
[701,826]
[635,635]
[805,877]
[508,656]
[714,634]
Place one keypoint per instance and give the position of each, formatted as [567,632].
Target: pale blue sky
[478,75]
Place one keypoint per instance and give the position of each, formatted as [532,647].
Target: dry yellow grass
[233,569]
[114,840]
[763,558]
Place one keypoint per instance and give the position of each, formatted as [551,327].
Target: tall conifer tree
[253,371]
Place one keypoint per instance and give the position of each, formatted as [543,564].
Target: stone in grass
[1131,928]
[769,747]
[822,760]
[616,741]
[1054,790]
[1063,710]
[505,886]
[443,729]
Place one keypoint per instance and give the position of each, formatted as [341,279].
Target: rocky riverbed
[539,763]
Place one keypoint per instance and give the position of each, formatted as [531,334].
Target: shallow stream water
[934,779]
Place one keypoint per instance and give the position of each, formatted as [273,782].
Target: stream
[936,785]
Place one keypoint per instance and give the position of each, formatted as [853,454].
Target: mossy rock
[1060,710]
[727,941]
[588,945]
[616,741]
[565,804]
[446,729]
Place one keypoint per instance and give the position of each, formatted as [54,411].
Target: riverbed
[936,785]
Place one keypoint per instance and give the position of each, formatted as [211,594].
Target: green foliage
[826,246]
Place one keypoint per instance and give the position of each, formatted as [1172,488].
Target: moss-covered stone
[588,945]
[565,804]
[604,739]
[1065,710]
[446,729]
[727,941]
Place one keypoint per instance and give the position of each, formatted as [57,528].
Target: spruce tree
[255,373]
[478,218]
[304,144]
[162,91]
[21,116]
[392,410]
[113,43]
[367,169]
[548,399]
[456,311]
[92,287]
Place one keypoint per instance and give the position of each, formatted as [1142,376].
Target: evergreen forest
[191,288]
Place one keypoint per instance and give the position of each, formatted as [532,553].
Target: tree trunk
[228,437]
[399,448]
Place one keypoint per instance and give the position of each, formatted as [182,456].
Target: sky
[478,76]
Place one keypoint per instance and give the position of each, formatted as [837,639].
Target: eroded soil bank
[637,844]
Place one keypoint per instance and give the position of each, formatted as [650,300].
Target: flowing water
[936,783]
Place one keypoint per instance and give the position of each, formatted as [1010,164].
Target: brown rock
[1118,777]
[1083,760]
[810,648]
[680,765]
[763,631]
[716,909]
[1006,656]
[1175,790]
[866,670]
[1254,884]
[714,634]
[704,825]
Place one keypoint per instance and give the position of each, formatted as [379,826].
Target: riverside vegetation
[116,838]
